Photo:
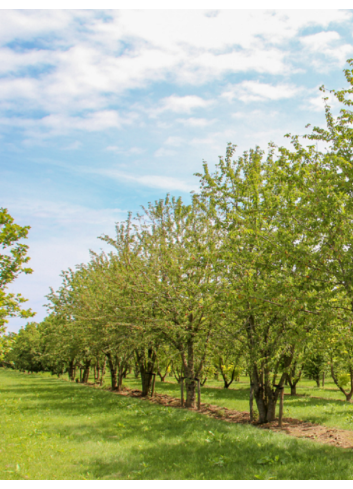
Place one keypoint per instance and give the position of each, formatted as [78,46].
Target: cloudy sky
[103,111]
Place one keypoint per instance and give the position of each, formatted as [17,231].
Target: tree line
[255,274]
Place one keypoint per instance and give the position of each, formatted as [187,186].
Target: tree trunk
[86,372]
[103,371]
[146,381]
[190,383]
[97,371]
[113,372]
[72,370]
[293,381]
[146,366]
[114,379]
[266,395]
[251,403]
[120,381]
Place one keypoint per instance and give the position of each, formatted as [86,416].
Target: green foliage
[343,380]
[12,261]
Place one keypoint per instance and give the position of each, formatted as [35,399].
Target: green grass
[53,429]
[330,409]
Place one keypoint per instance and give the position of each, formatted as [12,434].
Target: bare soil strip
[290,426]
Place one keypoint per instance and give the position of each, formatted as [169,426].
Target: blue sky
[104,111]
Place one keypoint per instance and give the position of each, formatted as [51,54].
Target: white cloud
[60,124]
[319,41]
[166,183]
[249,91]
[164,153]
[85,62]
[181,104]
[152,181]
[174,141]
[62,212]
[196,122]
[131,151]
[73,146]
[328,45]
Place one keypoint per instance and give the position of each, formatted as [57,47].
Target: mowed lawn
[53,429]
[325,406]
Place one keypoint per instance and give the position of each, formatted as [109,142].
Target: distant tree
[12,261]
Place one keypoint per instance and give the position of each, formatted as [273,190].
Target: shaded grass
[325,406]
[51,429]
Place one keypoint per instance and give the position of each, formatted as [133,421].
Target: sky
[103,111]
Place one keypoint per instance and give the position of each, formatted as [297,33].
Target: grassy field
[324,406]
[53,429]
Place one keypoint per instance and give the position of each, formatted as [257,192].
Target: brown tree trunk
[101,380]
[113,372]
[120,381]
[97,370]
[293,382]
[146,367]
[190,383]
[266,395]
[86,372]
[72,370]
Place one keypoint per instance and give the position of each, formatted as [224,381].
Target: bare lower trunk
[86,372]
[146,381]
[72,370]
[113,372]
[266,400]
[114,379]
[293,381]
[190,383]
[101,380]
[146,365]
[266,394]
[120,381]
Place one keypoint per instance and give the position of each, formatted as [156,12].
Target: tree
[253,201]
[12,262]
[173,278]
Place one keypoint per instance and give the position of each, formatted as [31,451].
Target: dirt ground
[290,426]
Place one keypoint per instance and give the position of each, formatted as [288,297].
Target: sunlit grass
[52,429]
[318,405]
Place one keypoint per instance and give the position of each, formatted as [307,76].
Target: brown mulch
[290,426]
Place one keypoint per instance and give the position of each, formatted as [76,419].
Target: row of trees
[255,272]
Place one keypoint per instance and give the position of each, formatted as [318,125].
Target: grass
[52,429]
[325,406]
